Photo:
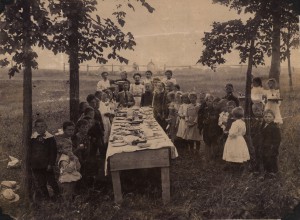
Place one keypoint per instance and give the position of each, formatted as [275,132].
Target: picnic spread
[137,141]
[131,133]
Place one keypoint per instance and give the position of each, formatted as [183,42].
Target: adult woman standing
[137,89]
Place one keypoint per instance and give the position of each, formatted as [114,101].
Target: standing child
[208,116]
[235,149]
[182,113]
[147,97]
[271,138]
[192,134]
[171,120]
[105,113]
[82,146]
[68,163]
[273,103]
[42,158]
[229,94]
[257,124]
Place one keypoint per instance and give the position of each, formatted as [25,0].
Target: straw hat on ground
[9,195]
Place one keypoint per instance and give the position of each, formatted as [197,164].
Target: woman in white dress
[137,89]
[273,103]
[235,149]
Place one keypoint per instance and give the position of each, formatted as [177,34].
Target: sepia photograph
[149,109]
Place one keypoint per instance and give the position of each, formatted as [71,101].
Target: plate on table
[118,144]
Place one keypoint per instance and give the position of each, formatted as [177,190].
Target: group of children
[187,118]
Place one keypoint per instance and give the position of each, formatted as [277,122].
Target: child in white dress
[235,149]
[257,91]
[69,167]
[273,103]
[182,113]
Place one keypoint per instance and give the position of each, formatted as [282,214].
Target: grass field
[198,191]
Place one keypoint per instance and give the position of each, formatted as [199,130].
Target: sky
[171,35]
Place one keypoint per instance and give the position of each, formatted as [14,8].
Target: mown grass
[198,191]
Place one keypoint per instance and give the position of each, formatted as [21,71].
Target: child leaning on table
[42,157]
[68,163]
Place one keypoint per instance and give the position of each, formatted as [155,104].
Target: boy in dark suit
[257,123]
[271,138]
[125,98]
[42,157]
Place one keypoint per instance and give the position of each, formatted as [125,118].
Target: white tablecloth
[159,140]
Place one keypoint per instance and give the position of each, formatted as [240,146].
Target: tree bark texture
[74,67]
[275,61]
[27,100]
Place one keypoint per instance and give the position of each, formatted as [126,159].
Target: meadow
[198,191]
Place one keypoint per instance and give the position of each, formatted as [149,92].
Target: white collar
[46,136]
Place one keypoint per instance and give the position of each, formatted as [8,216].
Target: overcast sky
[171,35]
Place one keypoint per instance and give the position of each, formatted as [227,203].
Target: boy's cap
[229,85]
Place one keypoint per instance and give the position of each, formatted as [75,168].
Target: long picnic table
[138,144]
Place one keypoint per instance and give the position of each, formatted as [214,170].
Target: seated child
[42,157]
[147,97]
[271,138]
[235,149]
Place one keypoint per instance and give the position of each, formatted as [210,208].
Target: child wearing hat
[137,89]
[42,157]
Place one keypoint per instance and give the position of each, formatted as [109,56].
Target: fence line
[122,67]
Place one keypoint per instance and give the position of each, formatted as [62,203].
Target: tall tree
[273,23]
[85,37]
[290,40]
[23,25]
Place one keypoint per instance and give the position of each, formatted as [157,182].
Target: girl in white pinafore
[182,113]
[105,113]
[272,95]
[235,149]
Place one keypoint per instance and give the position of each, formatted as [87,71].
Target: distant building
[135,66]
[151,66]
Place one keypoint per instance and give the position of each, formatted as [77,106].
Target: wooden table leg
[117,186]
[165,184]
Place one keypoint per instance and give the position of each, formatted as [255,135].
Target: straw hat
[9,195]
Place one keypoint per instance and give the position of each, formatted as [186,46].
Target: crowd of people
[189,119]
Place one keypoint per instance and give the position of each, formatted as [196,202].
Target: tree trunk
[275,61]
[290,71]
[74,68]
[289,58]
[27,101]
[248,91]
